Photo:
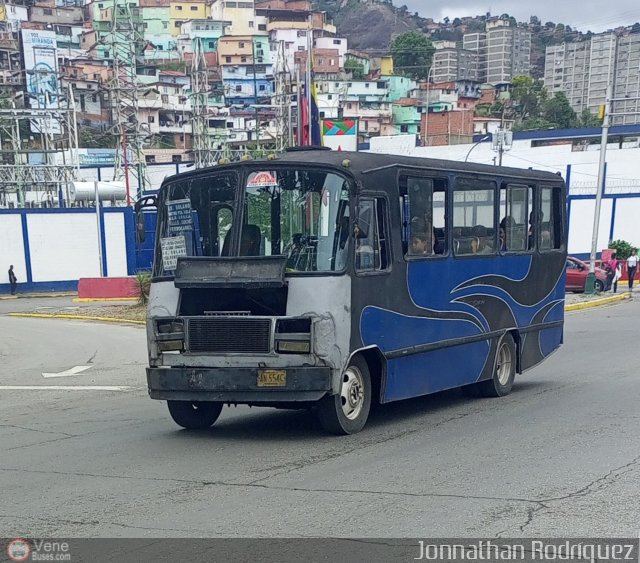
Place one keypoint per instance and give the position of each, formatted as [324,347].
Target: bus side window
[516,204]
[550,220]
[423,207]
[370,234]
[474,229]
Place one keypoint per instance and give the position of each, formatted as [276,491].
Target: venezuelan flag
[316,130]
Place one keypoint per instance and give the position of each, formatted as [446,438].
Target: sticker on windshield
[262,180]
[172,249]
[180,216]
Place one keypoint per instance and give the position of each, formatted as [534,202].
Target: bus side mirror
[143,203]
[140,227]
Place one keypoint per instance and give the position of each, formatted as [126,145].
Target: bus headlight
[293,336]
[293,347]
[170,335]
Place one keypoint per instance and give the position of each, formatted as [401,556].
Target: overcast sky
[594,15]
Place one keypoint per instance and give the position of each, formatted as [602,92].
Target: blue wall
[26,283]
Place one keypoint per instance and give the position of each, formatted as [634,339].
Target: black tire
[504,371]
[194,415]
[599,286]
[355,395]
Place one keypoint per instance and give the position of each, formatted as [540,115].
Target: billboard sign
[340,134]
[41,69]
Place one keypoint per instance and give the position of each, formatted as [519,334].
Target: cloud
[581,14]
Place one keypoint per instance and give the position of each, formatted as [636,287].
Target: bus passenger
[503,241]
[418,245]
[480,244]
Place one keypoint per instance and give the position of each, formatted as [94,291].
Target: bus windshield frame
[300,211]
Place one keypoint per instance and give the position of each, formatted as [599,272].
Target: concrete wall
[51,249]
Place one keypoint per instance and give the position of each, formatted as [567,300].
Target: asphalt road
[560,456]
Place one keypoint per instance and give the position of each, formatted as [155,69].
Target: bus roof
[363,162]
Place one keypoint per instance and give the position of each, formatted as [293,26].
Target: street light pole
[589,287]
[485,138]
[426,120]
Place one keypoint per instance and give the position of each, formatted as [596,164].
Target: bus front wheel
[347,411]
[194,415]
[505,370]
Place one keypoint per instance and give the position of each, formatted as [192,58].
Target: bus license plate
[272,378]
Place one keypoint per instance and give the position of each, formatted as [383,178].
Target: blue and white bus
[330,281]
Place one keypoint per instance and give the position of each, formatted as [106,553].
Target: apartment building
[12,16]
[242,14]
[602,59]
[477,43]
[185,10]
[338,43]
[583,71]
[627,79]
[451,64]
[567,69]
[11,76]
[508,51]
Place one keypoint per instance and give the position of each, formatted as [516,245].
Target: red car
[577,272]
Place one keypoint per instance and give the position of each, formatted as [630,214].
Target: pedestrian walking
[613,267]
[13,281]
[632,267]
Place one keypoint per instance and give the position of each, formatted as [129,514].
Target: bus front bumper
[239,385]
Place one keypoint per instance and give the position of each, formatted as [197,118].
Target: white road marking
[73,371]
[67,388]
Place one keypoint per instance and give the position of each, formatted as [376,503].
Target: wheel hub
[503,365]
[352,393]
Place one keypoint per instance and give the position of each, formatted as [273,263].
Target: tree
[558,110]
[534,20]
[412,54]
[355,68]
[527,95]
[533,124]
[587,119]
[91,138]
[457,22]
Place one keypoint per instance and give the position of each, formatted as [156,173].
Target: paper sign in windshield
[172,249]
[179,215]
[263,180]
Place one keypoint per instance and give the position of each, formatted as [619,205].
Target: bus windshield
[302,214]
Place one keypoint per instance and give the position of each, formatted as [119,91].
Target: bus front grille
[222,335]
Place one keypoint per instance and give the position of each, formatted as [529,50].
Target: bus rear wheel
[347,411]
[505,370]
[194,415]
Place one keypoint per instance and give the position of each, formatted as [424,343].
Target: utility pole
[255,93]
[202,149]
[126,43]
[298,108]
[589,287]
[309,88]
[502,142]
[282,100]
[426,117]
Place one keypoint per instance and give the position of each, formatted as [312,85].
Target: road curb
[93,299]
[597,302]
[75,318]
[37,295]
